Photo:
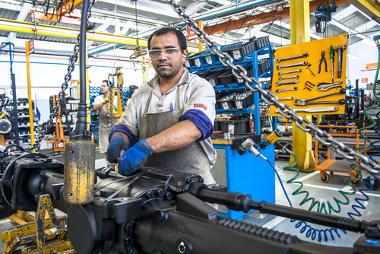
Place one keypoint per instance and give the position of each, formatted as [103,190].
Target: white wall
[367,54]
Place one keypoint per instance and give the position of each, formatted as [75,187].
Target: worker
[101,104]
[169,121]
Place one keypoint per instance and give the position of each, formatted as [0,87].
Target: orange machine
[59,140]
[331,165]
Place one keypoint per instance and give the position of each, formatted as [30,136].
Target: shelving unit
[23,122]
[251,61]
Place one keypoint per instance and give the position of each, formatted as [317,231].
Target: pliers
[323,59]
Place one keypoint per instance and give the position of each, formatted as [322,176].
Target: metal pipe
[28,27]
[81,125]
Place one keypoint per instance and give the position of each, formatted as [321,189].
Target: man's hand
[106,100]
[137,155]
[116,145]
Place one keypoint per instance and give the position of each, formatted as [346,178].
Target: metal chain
[268,96]
[64,86]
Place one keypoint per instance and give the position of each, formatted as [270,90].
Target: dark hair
[106,82]
[182,42]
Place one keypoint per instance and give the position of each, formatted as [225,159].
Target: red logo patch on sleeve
[200,105]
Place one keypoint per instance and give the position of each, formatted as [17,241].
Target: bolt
[128,226]
[150,194]
[127,241]
[182,247]
[69,194]
[161,193]
[179,183]
[168,196]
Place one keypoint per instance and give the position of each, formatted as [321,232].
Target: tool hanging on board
[308,86]
[332,56]
[290,82]
[286,98]
[292,65]
[340,58]
[323,60]
[287,89]
[308,67]
[291,57]
[317,109]
[327,86]
[301,102]
[290,77]
[288,72]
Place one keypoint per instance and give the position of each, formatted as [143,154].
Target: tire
[325,178]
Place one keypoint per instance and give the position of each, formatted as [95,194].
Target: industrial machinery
[160,211]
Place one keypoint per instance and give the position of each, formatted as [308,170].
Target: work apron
[104,128]
[190,159]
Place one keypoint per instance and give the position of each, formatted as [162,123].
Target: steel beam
[369,7]
[300,33]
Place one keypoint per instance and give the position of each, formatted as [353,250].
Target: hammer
[340,58]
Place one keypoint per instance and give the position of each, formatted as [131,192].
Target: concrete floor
[312,183]
[322,192]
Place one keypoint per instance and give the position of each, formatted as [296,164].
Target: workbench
[243,173]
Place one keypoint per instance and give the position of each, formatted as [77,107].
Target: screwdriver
[332,55]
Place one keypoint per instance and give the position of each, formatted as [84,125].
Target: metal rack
[206,61]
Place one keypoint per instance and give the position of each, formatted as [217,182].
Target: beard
[167,72]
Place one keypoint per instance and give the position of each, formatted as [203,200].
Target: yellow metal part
[37,236]
[120,83]
[79,171]
[4,113]
[47,30]
[369,7]
[58,141]
[21,218]
[300,33]
[144,70]
[299,21]
[29,94]
[200,45]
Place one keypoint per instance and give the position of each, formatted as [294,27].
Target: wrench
[300,102]
[292,65]
[295,77]
[287,89]
[288,72]
[317,109]
[291,57]
[286,98]
[290,82]
[327,86]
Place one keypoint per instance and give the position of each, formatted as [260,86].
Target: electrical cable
[310,231]
[282,185]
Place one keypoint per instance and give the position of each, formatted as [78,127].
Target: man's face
[167,65]
[104,88]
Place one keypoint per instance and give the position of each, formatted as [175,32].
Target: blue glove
[137,155]
[114,147]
